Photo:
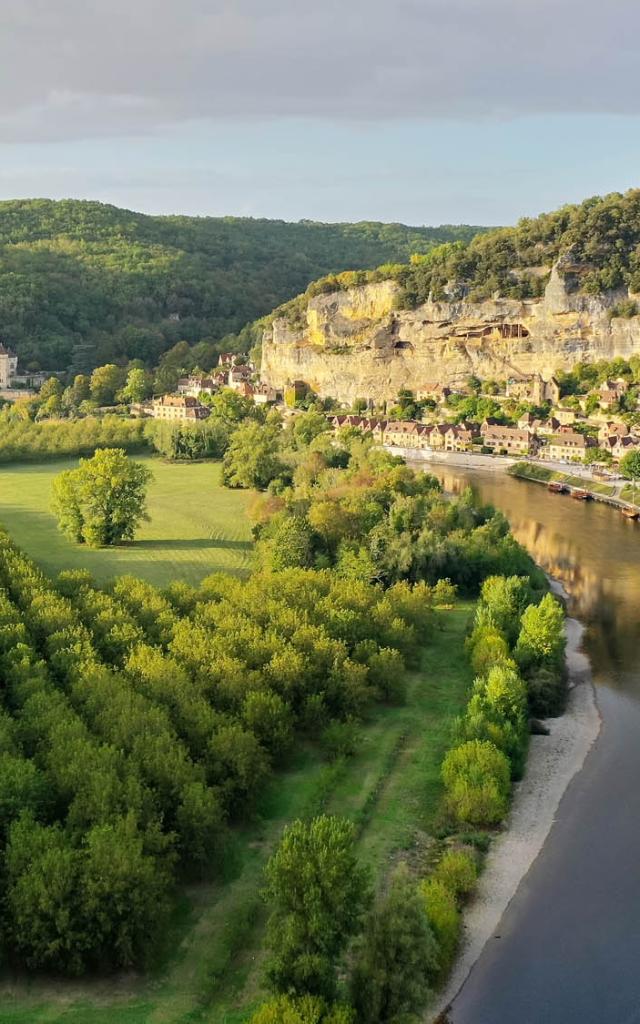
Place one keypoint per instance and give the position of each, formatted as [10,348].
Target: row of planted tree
[407,937]
[137,726]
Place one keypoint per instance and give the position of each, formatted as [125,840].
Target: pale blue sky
[422,111]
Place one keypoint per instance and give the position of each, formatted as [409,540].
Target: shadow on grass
[37,534]
[187,545]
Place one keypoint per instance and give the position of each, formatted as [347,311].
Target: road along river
[567,948]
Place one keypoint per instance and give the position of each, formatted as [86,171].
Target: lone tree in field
[102,502]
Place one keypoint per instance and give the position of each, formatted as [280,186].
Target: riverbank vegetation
[164,739]
[544,474]
[409,940]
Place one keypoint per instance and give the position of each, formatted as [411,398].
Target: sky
[420,111]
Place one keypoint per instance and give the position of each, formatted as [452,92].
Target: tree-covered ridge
[599,238]
[83,283]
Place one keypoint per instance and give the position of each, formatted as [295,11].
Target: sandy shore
[551,765]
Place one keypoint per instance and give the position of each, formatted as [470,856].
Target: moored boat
[556,487]
[579,494]
[629,512]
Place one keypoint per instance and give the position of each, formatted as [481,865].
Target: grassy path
[197,526]
[390,787]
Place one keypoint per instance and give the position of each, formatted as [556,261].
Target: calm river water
[567,950]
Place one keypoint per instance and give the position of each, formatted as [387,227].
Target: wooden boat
[556,487]
[579,494]
[629,512]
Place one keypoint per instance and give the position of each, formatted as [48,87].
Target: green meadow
[196,525]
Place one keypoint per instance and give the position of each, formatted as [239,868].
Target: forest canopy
[83,283]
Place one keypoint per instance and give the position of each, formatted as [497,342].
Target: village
[530,419]
[567,434]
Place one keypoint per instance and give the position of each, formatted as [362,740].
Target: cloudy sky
[424,111]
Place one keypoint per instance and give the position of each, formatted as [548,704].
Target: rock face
[356,344]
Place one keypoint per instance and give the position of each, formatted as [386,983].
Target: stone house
[458,438]
[533,388]
[176,408]
[195,386]
[438,393]
[569,447]
[406,434]
[565,416]
[610,392]
[619,445]
[437,437]
[546,428]
[229,359]
[263,394]
[508,439]
[238,376]
[295,391]
[613,430]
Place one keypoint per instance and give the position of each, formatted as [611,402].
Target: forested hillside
[599,240]
[82,283]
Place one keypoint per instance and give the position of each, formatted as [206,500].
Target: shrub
[444,593]
[540,655]
[477,778]
[488,646]
[397,957]
[481,723]
[547,692]
[541,639]
[458,871]
[506,693]
[306,1010]
[444,918]
[506,597]
[318,893]
[340,739]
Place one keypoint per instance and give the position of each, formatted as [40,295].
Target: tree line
[23,439]
[347,505]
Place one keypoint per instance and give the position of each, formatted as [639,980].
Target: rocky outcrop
[357,344]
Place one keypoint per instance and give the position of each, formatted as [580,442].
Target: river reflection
[590,547]
[566,949]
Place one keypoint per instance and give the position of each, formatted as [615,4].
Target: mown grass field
[197,526]
[213,965]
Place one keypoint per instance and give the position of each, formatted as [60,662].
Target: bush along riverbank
[517,650]
[384,960]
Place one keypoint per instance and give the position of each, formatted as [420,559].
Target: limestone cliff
[356,343]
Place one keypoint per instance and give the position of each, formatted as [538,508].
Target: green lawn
[197,526]
[531,471]
[391,788]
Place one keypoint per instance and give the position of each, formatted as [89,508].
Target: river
[567,950]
